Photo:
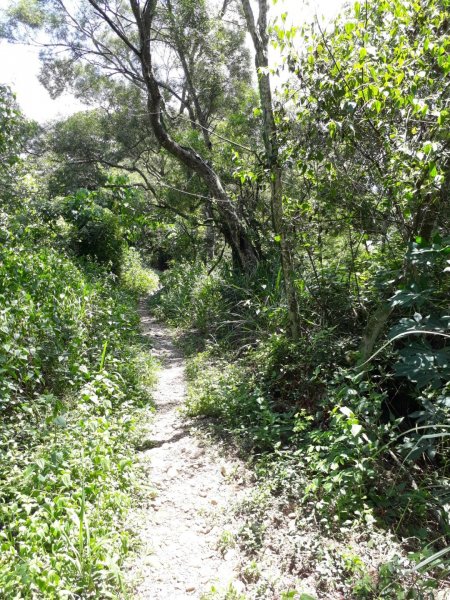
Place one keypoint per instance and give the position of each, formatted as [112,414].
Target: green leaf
[349,27]
[356,429]
[432,558]
[60,421]
[346,411]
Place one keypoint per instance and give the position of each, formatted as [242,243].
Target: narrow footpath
[180,525]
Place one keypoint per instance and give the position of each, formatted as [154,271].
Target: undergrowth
[330,466]
[325,438]
[73,375]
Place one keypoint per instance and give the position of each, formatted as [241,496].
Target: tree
[383,98]
[127,42]
[260,36]
[367,124]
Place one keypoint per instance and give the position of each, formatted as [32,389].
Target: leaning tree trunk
[260,39]
[233,227]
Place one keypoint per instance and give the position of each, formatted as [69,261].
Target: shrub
[230,393]
[97,232]
[190,297]
[233,308]
[135,277]
[72,372]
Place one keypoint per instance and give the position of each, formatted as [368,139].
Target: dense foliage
[352,418]
[73,374]
[304,239]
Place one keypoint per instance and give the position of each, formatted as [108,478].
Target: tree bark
[260,38]
[210,233]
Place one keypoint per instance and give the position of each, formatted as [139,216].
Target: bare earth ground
[179,527]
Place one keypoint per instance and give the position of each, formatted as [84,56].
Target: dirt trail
[180,527]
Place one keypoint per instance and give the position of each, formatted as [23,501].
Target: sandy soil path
[179,555]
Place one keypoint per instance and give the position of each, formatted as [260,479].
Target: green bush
[189,297]
[233,308]
[325,442]
[230,393]
[97,231]
[72,374]
[135,276]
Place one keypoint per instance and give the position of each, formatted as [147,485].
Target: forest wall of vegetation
[73,374]
[303,233]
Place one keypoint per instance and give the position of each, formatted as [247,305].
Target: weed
[251,572]
[226,541]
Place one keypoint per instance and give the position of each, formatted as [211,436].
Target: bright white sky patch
[19,68]
[19,65]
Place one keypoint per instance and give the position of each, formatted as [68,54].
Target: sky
[19,64]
